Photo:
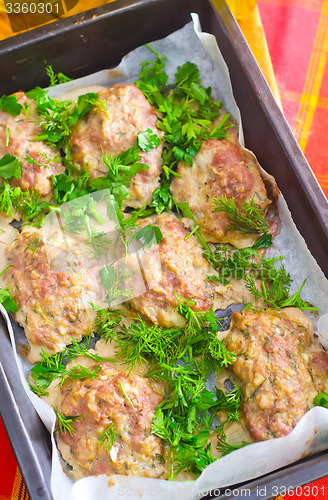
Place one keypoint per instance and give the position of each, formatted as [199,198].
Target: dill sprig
[223,447]
[182,359]
[64,423]
[248,219]
[107,438]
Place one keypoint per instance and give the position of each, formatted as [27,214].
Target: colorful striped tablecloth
[297,38]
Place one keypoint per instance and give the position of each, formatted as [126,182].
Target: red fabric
[297,35]
[12,486]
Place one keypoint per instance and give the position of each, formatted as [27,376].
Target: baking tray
[98,39]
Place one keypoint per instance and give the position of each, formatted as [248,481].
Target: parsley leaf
[149,235]
[186,109]
[321,399]
[161,198]
[114,280]
[10,167]
[148,140]
[10,105]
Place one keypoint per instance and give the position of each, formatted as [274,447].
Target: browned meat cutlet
[52,290]
[39,160]
[281,367]
[127,403]
[113,131]
[221,167]
[174,267]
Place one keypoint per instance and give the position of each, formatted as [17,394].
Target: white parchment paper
[311,434]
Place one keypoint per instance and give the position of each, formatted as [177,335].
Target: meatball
[39,161]
[124,406]
[273,356]
[221,167]
[52,290]
[174,267]
[114,130]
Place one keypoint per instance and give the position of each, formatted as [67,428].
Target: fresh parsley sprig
[107,438]
[7,301]
[223,447]
[26,203]
[10,167]
[186,108]
[10,104]
[58,117]
[53,367]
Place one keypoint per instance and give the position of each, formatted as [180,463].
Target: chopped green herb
[65,423]
[7,301]
[9,104]
[186,108]
[53,367]
[107,438]
[223,446]
[10,167]
[149,235]
[321,399]
[125,394]
[81,372]
[248,219]
[148,140]
[114,280]
[56,79]
[34,245]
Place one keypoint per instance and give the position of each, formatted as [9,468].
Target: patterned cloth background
[297,37]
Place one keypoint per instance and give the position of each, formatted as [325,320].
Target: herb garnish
[7,301]
[248,219]
[65,423]
[58,117]
[10,167]
[186,108]
[56,79]
[248,264]
[321,399]
[9,104]
[53,366]
[107,438]
[182,359]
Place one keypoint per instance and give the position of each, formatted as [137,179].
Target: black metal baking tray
[98,39]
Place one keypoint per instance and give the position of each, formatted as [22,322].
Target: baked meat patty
[52,289]
[220,168]
[175,267]
[280,366]
[113,131]
[39,160]
[121,404]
